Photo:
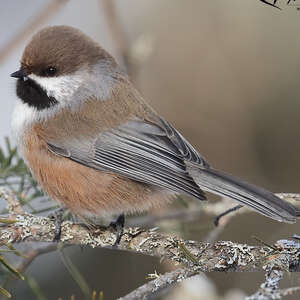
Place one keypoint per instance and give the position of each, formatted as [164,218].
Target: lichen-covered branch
[270,288]
[194,256]
[274,272]
[220,256]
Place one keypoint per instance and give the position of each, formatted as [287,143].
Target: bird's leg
[58,217]
[118,225]
[226,212]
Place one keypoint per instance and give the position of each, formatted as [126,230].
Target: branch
[131,54]
[48,11]
[220,256]
[270,288]
[117,32]
[159,283]
[194,256]
[13,205]
[271,4]
[31,255]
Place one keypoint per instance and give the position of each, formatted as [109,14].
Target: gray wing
[153,153]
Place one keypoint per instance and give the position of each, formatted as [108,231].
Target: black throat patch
[32,94]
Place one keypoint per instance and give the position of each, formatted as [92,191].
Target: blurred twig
[48,11]
[117,33]
[152,220]
[189,214]
[159,283]
[289,291]
[131,56]
[273,2]
[270,288]
[270,3]
[290,197]
[76,275]
[94,296]
[35,288]
[15,175]
[31,255]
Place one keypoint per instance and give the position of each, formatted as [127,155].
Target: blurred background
[225,74]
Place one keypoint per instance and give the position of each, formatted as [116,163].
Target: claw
[118,225]
[57,216]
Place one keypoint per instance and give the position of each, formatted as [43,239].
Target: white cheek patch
[69,90]
[80,86]
[62,88]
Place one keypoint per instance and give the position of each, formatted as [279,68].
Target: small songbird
[95,146]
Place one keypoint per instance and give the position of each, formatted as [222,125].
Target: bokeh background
[226,75]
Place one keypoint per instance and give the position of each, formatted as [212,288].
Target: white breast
[22,118]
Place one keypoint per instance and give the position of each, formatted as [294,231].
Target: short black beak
[18,74]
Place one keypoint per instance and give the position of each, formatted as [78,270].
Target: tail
[248,194]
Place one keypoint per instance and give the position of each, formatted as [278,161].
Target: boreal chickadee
[95,146]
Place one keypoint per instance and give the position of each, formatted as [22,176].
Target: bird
[98,148]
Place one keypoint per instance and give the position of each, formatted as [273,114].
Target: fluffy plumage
[101,149]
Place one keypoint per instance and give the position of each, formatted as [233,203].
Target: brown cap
[62,47]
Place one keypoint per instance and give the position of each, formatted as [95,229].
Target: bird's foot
[118,225]
[226,212]
[93,228]
[58,217]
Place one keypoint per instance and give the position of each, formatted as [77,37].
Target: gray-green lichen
[221,256]
[234,255]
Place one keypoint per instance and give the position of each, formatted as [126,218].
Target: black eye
[49,71]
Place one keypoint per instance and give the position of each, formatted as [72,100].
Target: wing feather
[144,151]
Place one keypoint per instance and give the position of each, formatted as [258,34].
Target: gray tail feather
[248,194]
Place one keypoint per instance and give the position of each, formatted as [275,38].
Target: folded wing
[155,153]
[144,151]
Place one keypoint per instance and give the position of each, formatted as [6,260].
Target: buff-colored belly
[84,190]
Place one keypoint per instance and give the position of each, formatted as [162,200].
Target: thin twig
[152,220]
[289,291]
[159,284]
[28,257]
[270,288]
[117,33]
[76,275]
[48,11]
[31,255]
[13,205]
[271,4]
